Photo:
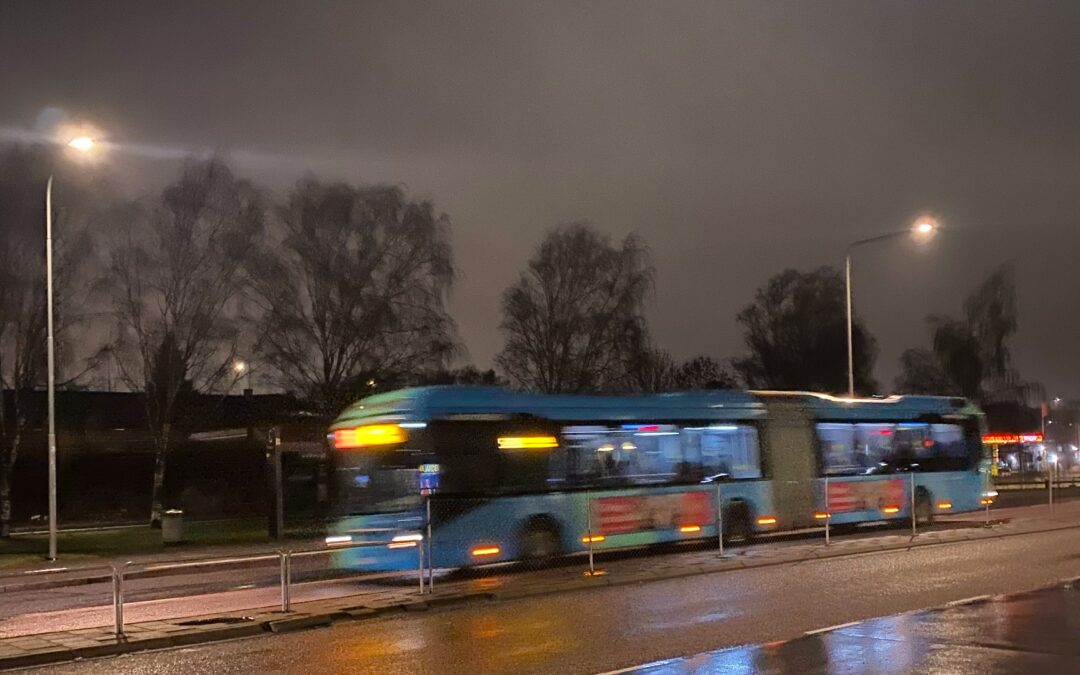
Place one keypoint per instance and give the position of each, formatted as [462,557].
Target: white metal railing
[118,573]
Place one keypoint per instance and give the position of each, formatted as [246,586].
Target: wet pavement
[1034,632]
[613,627]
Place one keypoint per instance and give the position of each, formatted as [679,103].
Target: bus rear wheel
[540,541]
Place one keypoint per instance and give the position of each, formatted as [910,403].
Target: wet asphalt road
[619,627]
[1033,632]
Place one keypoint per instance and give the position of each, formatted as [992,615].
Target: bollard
[286,579]
[914,532]
[719,519]
[986,500]
[420,564]
[118,601]
[430,557]
[828,513]
[1050,489]
[588,529]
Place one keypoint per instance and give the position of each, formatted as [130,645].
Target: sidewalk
[99,641]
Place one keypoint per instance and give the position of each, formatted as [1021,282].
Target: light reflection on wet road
[617,627]
[1035,632]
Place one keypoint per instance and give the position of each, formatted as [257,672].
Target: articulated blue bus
[505,476]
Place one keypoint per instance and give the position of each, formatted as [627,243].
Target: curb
[361,612]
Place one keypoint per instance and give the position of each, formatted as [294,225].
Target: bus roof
[826,406]
[426,403]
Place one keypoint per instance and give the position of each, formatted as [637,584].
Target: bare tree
[576,312]
[795,332]
[172,278]
[649,369]
[352,286]
[703,372]
[22,351]
[971,356]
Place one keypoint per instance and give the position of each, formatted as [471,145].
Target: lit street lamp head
[239,367]
[82,143]
[924,228]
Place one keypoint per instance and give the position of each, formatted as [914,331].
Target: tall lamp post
[923,229]
[82,144]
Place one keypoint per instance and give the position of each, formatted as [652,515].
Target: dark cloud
[736,138]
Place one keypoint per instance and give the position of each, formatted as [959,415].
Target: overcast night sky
[737,138]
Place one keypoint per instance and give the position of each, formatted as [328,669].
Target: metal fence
[121,573]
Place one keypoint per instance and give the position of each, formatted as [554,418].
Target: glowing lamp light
[690,529]
[405,541]
[82,143]
[485,551]
[891,509]
[527,442]
[924,228]
[369,435]
[592,539]
[821,516]
[944,506]
[766,520]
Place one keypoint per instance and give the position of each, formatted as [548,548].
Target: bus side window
[731,450]
[838,455]
[951,448]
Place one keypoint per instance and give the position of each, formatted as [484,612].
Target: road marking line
[633,669]
[816,631]
[968,601]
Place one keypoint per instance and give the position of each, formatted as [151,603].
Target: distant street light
[922,231]
[241,368]
[82,144]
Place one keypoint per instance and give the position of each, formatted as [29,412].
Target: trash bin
[172,526]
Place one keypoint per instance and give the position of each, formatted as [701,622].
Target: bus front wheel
[540,540]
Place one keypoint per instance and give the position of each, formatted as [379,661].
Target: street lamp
[82,144]
[923,230]
[241,368]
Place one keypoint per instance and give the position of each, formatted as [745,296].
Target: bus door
[792,464]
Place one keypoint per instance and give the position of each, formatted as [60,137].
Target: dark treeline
[333,291]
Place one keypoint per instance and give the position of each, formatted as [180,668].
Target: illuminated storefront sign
[1004,439]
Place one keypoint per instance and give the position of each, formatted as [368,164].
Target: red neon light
[999,439]
[649,427]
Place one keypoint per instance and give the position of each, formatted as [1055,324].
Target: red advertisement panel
[866,494]
[638,513]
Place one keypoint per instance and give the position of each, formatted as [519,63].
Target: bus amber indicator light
[767,520]
[891,509]
[593,539]
[527,442]
[821,516]
[690,529]
[367,436]
[484,551]
[945,506]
